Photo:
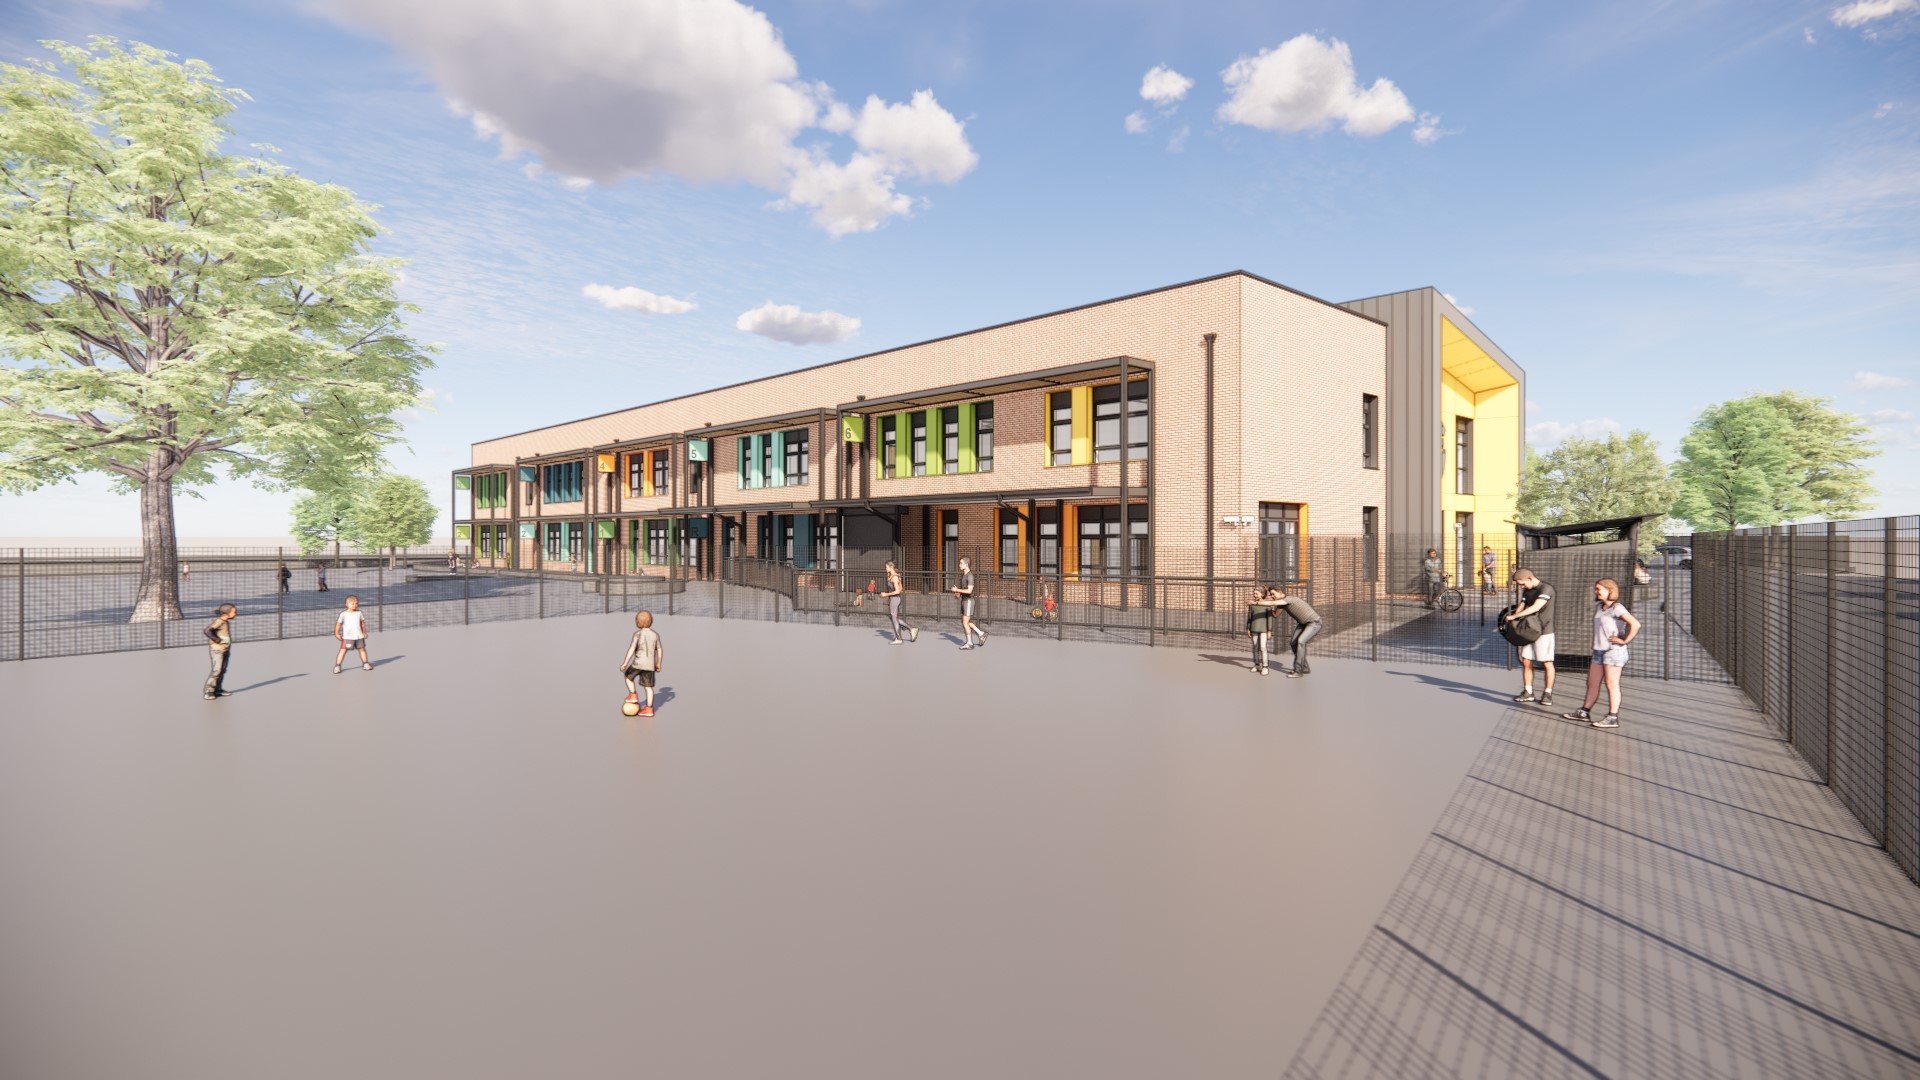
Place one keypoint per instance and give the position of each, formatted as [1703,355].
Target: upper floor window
[562,482]
[950,440]
[660,472]
[889,445]
[1060,426]
[1106,421]
[796,463]
[1462,456]
[1369,431]
[918,422]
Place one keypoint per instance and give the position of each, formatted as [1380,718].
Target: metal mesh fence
[1820,625]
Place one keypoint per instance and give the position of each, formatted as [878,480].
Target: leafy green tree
[327,517]
[1736,468]
[165,306]
[1828,447]
[397,512]
[1598,479]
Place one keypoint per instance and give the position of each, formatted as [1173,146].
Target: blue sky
[1652,206]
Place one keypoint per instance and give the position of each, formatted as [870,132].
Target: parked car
[1676,554]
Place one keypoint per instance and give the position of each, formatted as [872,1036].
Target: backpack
[1522,631]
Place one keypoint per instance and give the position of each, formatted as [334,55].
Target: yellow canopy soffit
[1468,363]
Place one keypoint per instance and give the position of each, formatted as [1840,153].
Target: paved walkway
[1679,898]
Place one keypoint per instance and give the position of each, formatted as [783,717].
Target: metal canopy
[1008,384]
[767,422]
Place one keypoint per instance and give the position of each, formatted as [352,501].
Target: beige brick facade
[1288,375]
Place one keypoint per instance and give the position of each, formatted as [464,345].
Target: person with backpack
[1614,628]
[1536,602]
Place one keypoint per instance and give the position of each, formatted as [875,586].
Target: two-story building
[1201,429]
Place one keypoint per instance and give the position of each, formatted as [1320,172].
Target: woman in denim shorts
[1614,627]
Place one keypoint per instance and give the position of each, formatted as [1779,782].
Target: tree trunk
[159,547]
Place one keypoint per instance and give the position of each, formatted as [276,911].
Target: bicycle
[1048,610]
[1448,598]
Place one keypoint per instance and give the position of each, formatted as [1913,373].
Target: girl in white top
[1613,628]
[350,629]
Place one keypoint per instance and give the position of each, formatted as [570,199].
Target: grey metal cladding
[1413,402]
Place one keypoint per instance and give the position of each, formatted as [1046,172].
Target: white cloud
[1163,86]
[1868,382]
[1464,309]
[1862,12]
[1137,123]
[1807,32]
[704,90]
[852,198]
[919,138]
[1427,130]
[1306,85]
[1178,144]
[631,298]
[1880,417]
[1885,108]
[1548,434]
[786,322]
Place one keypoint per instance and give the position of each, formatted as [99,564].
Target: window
[826,530]
[919,426]
[1370,543]
[555,538]
[660,472]
[768,478]
[490,491]
[689,548]
[1060,426]
[574,533]
[1462,456]
[1009,542]
[486,541]
[1106,422]
[1369,427]
[950,440]
[636,474]
[1280,541]
[1100,550]
[983,437]
[889,445]
[796,464]
[1049,525]
[694,469]
[658,535]
[785,525]
[562,481]
[746,463]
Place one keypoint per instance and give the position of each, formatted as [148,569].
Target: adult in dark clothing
[286,578]
[1306,627]
[1536,598]
[219,651]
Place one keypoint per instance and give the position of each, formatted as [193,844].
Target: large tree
[1828,447]
[166,307]
[1736,468]
[1599,479]
[396,512]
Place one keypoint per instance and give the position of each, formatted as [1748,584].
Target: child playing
[350,629]
[645,658]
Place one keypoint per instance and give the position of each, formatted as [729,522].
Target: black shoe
[1578,714]
[1546,699]
[1524,696]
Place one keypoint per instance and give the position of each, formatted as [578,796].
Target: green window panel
[778,473]
[463,483]
[968,463]
[607,529]
[903,445]
[462,532]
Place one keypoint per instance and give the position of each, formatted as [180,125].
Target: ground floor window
[1009,542]
[659,533]
[1049,529]
[1280,541]
[1101,553]
[827,531]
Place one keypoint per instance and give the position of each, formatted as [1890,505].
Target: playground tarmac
[826,856]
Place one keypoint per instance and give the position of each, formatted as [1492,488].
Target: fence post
[20,606]
[1889,754]
[279,594]
[466,592]
[673,578]
[379,595]
[1666,616]
[1832,531]
[540,587]
[1793,600]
